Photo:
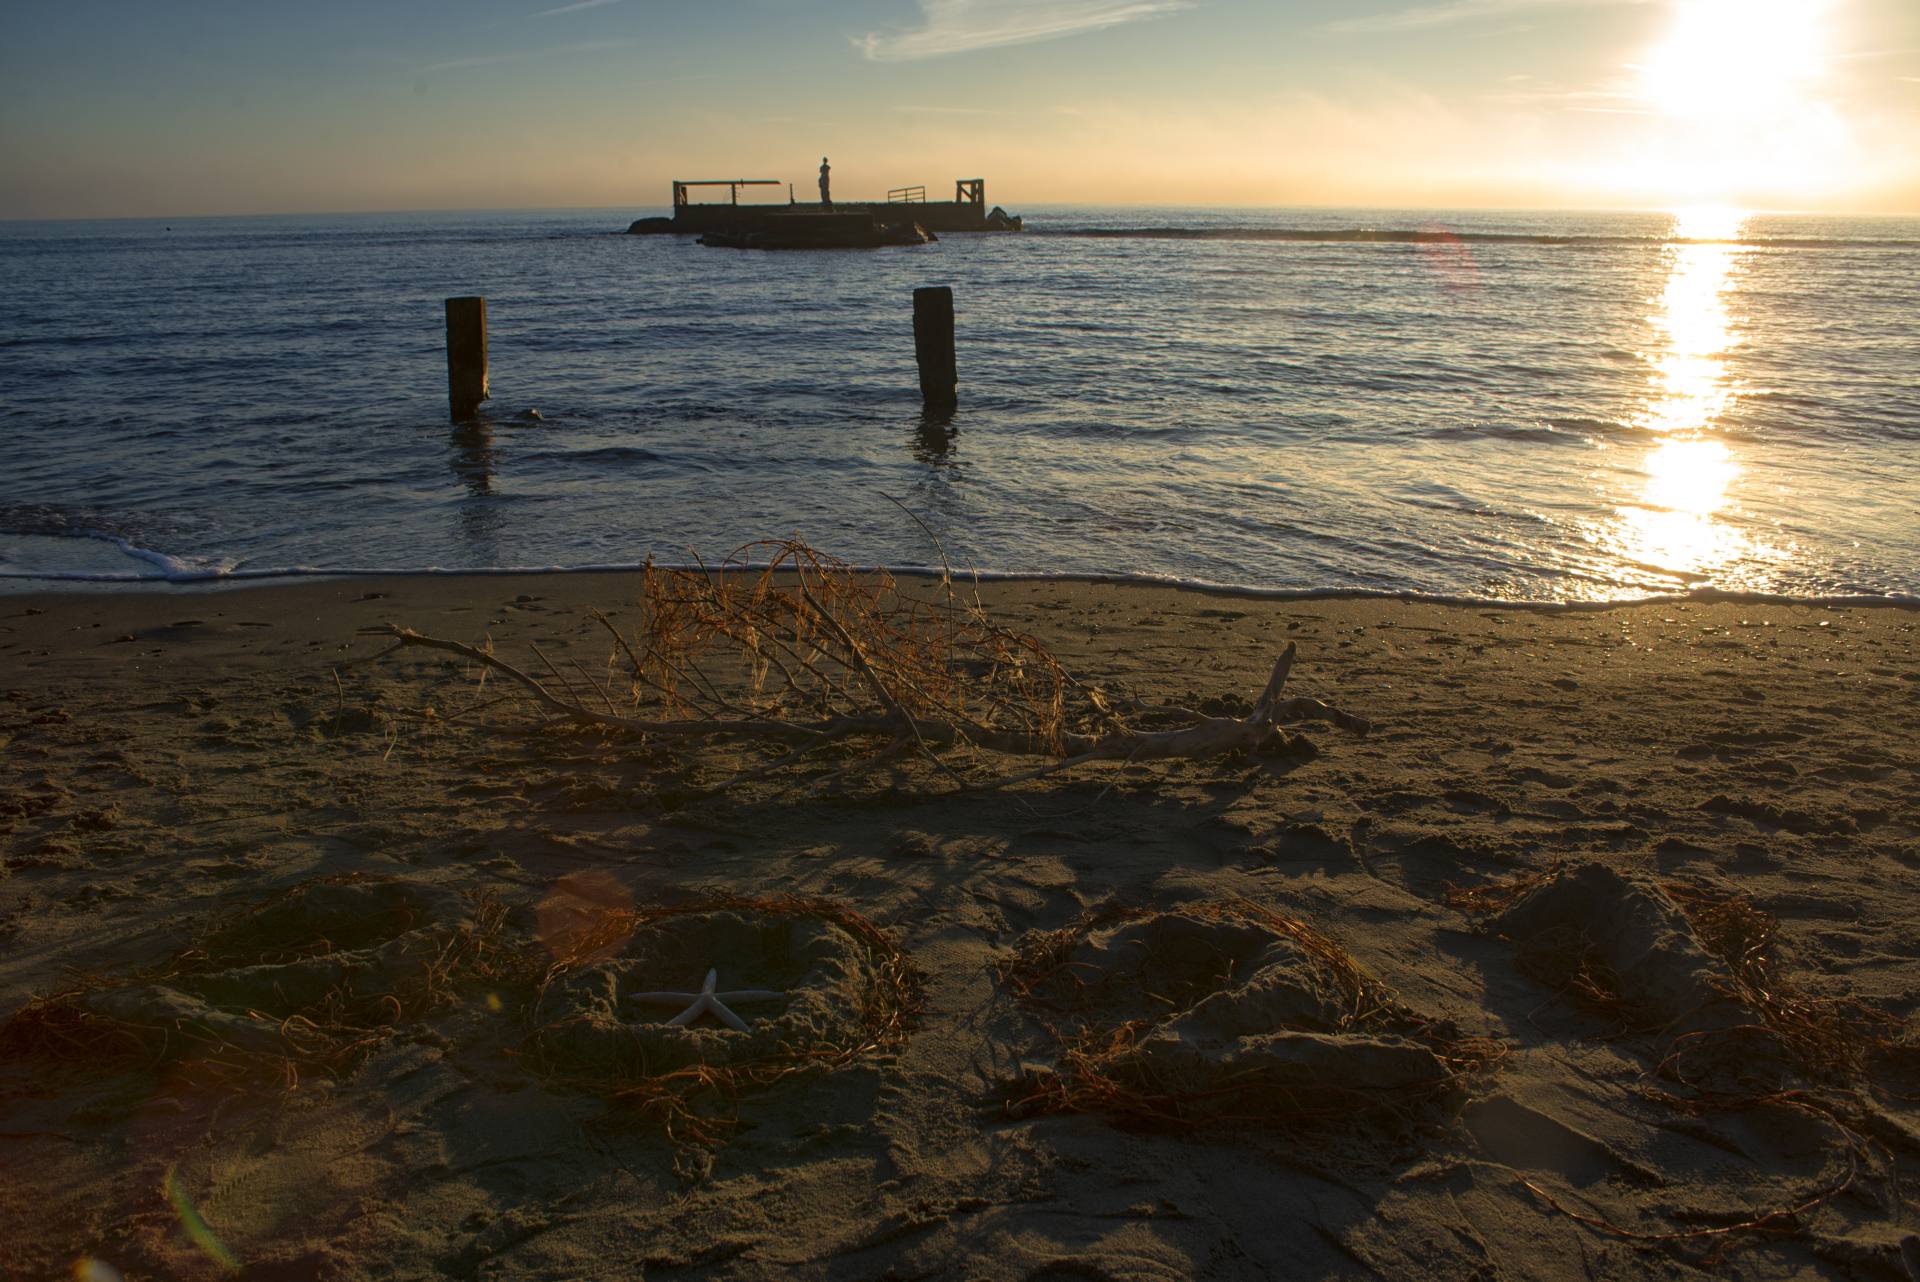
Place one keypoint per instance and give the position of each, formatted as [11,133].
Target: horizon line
[1664,208]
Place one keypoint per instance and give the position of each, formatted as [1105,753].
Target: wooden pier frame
[933,348]
[466,356]
[733,186]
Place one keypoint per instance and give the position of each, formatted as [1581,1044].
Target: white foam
[172,569]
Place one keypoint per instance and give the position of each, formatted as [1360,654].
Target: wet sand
[173,759]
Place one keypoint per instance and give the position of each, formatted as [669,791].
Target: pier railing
[680,186]
[907,196]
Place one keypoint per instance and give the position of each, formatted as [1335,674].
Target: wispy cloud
[917,109]
[1422,17]
[552,51]
[576,7]
[960,26]
[1530,93]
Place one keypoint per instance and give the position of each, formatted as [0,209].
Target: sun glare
[1737,59]
[1673,527]
[1708,222]
[1735,89]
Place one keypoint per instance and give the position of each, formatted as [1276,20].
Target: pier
[903,207]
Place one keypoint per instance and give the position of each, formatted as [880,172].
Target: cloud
[1423,17]
[573,8]
[961,26]
[1530,94]
[496,59]
[917,109]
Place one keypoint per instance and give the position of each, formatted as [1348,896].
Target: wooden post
[466,356]
[933,347]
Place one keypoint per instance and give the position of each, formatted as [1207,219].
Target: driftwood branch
[824,654]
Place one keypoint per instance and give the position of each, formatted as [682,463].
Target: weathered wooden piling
[933,347]
[466,356]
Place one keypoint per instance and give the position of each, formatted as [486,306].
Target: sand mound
[591,1023]
[841,988]
[1693,964]
[1620,939]
[315,975]
[1223,1010]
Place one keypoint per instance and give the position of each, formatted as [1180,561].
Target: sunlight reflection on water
[1674,523]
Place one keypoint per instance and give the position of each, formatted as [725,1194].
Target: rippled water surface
[1551,407]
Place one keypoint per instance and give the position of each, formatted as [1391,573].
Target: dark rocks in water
[819,231]
[1001,220]
[653,227]
[532,416]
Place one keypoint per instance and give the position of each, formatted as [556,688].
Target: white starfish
[708,1002]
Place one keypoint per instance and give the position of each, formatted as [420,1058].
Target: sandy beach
[1529,861]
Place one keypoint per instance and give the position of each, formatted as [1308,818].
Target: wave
[172,569]
[1436,236]
[209,575]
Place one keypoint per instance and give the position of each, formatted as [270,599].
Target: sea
[1495,406]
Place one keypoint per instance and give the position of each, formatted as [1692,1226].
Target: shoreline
[56,584]
[179,756]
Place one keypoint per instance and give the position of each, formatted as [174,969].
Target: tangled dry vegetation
[310,980]
[693,1104]
[786,647]
[1745,1039]
[1278,1027]
[314,979]
[1836,1041]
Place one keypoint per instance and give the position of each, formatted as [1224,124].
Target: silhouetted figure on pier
[825,170]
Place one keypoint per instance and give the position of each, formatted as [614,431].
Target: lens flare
[197,1229]
[579,918]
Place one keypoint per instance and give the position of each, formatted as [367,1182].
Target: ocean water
[1550,407]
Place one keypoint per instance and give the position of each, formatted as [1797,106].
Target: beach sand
[175,759]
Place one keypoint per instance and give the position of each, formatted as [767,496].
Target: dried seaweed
[1091,1052]
[694,1106]
[331,1033]
[787,647]
[1832,1044]
[1827,1039]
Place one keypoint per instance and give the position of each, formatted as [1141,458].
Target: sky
[180,107]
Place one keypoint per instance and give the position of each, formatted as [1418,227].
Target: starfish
[706,1001]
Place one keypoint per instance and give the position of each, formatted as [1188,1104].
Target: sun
[1735,90]
[1738,60]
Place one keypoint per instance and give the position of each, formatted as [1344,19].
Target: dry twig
[811,651]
